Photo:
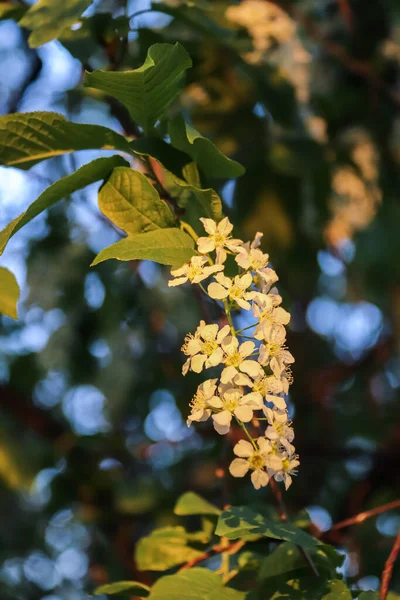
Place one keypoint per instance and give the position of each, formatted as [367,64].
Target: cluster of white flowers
[255,374]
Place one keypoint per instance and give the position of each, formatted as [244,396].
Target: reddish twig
[279,499]
[361,517]
[217,549]
[346,13]
[389,565]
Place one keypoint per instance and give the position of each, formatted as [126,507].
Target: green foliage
[149,90]
[28,138]
[288,558]
[311,588]
[369,596]
[193,504]
[119,587]
[9,293]
[240,521]
[94,171]
[165,246]
[47,19]
[10,10]
[194,584]
[130,201]
[165,548]
[210,160]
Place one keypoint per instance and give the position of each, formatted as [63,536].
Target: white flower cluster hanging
[254,378]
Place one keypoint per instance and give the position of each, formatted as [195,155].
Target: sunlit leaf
[48,18]
[193,584]
[133,587]
[28,138]
[163,549]
[165,246]
[9,293]
[94,171]
[149,90]
[192,504]
[130,201]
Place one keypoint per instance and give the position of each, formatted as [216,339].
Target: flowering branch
[256,373]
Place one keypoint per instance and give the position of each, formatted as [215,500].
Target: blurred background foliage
[94,448]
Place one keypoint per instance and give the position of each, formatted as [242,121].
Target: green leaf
[193,584]
[130,201]
[338,591]
[287,558]
[172,159]
[149,90]
[311,588]
[28,138]
[238,521]
[210,160]
[47,19]
[10,10]
[163,549]
[196,201]
[192,504]
[133,587]
[369,596]
[9,293]
[165,246]
[93,171]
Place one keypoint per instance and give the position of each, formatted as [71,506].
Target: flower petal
[217,291]
[243,449]
[244,413]
[228,374]
[239,467]
[259,478]
[197,363]
[223,418]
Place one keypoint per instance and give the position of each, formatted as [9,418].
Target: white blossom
[236,359]
[232,402]
[290,462]
[219,238]
[194,271]
[204,347]
[267,387]
[251,458]
[268,315]
[200,409]
[279,427]
[273,352]
[234,289]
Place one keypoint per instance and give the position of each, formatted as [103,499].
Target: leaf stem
[189,229]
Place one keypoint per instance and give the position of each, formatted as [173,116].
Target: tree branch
[389,565]
[217,549]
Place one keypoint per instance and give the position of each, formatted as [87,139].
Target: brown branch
[389,565]
[217,549]
[361,517]
[346,13]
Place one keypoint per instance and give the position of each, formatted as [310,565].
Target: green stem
[245,328]
[186,227]
[243,426]
[247,337]
[229,318]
